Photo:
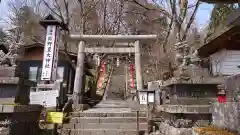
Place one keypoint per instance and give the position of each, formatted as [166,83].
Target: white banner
[55,60]
[48,56]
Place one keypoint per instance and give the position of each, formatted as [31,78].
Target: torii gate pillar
[78,86]
[138,68]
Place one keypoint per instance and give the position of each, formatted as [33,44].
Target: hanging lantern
[118,62]
[98,60]
[104,66]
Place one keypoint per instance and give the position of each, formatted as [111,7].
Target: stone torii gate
[77,92]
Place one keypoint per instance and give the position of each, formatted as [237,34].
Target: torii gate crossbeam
[78,92]
[112,37]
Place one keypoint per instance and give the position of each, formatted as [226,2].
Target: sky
[202,16]
[3,12]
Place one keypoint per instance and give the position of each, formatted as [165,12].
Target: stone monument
[188,63]
[14,88]
[187,97]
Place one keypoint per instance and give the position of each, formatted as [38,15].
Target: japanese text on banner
[49,53]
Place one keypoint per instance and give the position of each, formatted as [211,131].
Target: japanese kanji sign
[49,52]
[55,59]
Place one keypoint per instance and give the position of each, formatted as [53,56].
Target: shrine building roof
[226,36]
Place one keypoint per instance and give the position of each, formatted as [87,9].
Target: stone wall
[191,94]
[19,119]
[7,71]
[227,115]
[14,89]
[166,129]
[233,88]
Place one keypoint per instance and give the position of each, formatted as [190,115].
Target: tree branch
[82,16]
[175,19]
[59,10]
[66,22]
[67,12]
[48,6]
[147,8]
[191,21]
[167,36]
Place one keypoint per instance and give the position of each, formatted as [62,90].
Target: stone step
[119,104]
[101,132]
[116,102]
[116,106]
[116,87]
[105,126]
[107,114]
[107,120]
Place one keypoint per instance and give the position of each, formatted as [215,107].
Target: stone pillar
[78,82]
[138,65]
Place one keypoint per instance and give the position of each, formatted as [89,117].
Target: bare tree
[140,20]
[88,17]
[178,14]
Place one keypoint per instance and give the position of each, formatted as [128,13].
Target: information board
[143,98]
[45,98]
[151,97]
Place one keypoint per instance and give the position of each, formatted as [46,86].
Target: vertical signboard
[49,50]
[55,61]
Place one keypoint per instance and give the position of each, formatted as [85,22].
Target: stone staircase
[109,117]
[112,116]
[117,84]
